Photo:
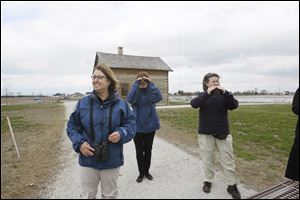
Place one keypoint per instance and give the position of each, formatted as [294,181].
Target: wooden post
[13,137]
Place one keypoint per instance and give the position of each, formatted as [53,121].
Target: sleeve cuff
[152,85]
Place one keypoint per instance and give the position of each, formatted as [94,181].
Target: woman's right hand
[211,89]
[86,149]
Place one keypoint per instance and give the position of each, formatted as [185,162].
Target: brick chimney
[120,50]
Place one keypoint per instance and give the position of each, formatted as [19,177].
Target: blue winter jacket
[143,103]
[123,121]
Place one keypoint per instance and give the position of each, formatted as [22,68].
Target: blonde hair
[110,75]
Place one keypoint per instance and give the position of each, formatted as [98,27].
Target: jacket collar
[113,97]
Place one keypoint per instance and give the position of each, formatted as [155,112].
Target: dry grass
[26,100]
[37,130]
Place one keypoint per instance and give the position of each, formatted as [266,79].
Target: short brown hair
[206,79]
[110,75]
[142,74]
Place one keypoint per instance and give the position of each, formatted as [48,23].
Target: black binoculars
[217,91]
[144,80]
[101,151]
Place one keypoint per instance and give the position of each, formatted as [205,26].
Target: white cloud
[244,73]
[251,44]
[46,84]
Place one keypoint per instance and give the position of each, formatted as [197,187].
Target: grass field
[263,136]
[37,129]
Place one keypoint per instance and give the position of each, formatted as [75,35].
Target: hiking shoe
[206,187]
[149,176]
[140,178]
[232,189]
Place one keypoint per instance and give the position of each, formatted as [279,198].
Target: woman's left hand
[114,137]
[221,88]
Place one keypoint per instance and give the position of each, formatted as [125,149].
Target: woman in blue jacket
[98,128]
[143,96]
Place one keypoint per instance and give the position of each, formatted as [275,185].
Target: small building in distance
[126,67]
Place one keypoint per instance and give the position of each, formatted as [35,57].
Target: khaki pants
[208,144]
[90,179]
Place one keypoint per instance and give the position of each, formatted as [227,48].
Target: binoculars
[144,80]
[101,151]
[217,91]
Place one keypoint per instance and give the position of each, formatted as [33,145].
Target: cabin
[126,67]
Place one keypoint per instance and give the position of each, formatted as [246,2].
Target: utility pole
[13,137]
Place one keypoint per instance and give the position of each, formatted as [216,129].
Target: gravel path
[177,175]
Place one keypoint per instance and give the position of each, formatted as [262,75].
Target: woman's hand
[221,88]
[148,80]
[86,149]
[211,89]
[114,137]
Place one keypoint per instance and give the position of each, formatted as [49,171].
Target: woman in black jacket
[292,169]
[214,134]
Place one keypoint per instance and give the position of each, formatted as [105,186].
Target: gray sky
[49,47]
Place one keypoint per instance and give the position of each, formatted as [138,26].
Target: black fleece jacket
[213,111]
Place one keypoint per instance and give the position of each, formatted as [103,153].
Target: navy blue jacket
[143,103]
[213,112]
[123,121]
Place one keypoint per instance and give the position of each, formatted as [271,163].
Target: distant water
[265,99]
[244,98]
[261,99]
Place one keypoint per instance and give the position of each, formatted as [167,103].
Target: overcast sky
[50,47]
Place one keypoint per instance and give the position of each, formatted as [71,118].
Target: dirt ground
[38,149]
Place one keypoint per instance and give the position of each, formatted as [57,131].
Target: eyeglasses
[99,77]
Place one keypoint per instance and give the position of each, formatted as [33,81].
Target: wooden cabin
[126,68]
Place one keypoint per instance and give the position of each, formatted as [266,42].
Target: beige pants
[90,179]
[208,144]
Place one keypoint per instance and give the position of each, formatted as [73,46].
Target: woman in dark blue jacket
[143,96]
[98,128]
[214,134]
